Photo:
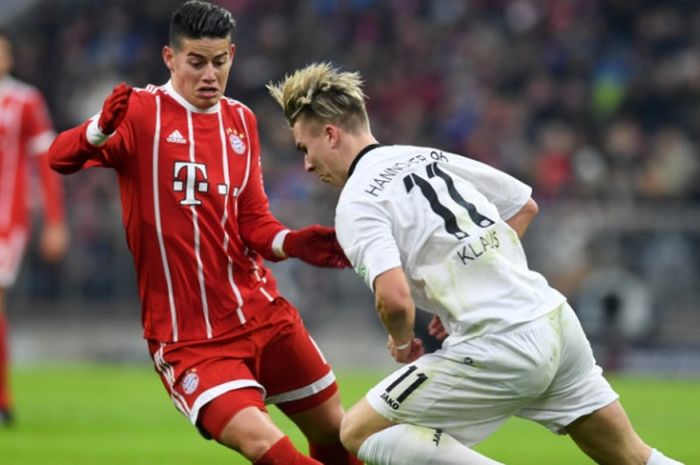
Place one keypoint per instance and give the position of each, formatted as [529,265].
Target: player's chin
[329,180]
[208,99]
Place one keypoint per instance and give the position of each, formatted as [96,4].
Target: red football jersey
[196,215]
[25,135]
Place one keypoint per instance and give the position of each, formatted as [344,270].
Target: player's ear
[330,133]
[233,52]
[169,57]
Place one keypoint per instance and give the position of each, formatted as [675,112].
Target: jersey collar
[170,90]
[362,153]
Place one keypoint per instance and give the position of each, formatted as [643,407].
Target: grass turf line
[87,414]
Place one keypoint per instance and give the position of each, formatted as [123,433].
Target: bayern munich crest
[237,143]
[190,383]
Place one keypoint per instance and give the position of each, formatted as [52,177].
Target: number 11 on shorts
[417,380]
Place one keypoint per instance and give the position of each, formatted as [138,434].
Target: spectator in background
[482,78]
[222,338]
[25,135]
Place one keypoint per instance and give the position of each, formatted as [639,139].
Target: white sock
[657,458]
[415,445]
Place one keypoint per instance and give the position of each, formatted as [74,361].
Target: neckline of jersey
[170,90]
[362,153]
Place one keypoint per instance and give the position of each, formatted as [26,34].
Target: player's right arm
[365,233]
[89,141]
[397,311]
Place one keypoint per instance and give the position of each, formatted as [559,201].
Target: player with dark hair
[440,231]
[197,220]
[25,134]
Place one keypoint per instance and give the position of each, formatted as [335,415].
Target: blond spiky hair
[321,92]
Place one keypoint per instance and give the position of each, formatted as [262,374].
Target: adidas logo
[176,138]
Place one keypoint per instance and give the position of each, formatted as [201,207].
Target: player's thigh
[250,430]
[607,436]
[578,387]
[446,393]
[292,368]
[471,387]
[361,421]
[216,416]
[195,374]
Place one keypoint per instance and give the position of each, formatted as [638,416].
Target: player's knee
[252,445]
[250,432]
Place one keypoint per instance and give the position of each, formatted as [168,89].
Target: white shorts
[543,371]
[12,247]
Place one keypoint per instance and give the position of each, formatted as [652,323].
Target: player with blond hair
[436,230]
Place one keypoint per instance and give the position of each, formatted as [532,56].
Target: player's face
[199,69]
[315,142]
[5,57]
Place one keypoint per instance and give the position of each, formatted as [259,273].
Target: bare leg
[251,432]
[608,438]
[321,426]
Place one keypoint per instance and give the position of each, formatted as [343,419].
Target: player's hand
[316,245]
[114,109]
[53,242]
[408,354]
[437,329]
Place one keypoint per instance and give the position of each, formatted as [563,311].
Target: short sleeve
[507,193]
[364,232]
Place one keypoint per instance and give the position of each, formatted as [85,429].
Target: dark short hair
[195,19]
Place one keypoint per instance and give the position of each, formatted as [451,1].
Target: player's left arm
[521,220]
[258,227]
[314,244]
[53,241]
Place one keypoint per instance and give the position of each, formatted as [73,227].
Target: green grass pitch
[87,415]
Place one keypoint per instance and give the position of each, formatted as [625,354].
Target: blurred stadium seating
[595,104]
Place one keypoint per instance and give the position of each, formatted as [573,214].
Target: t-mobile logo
[190,183]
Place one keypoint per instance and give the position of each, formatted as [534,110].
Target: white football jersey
[441,217]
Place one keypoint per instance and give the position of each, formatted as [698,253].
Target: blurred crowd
[590,102]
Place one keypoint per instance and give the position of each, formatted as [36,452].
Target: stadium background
[593,103]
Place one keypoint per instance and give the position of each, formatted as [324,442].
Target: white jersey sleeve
[507,193]
[441,217]
[364,232]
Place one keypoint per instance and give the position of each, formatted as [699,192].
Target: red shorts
[271,353]
[12,244]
